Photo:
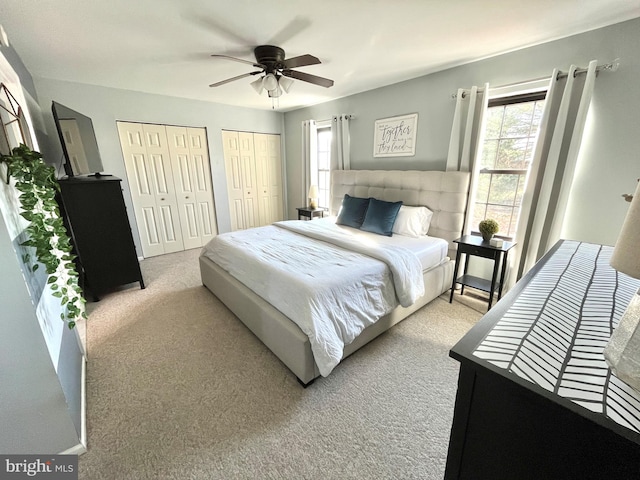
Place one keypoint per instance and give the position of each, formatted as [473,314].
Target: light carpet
[178,388]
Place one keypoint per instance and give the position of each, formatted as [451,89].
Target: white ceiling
[164,46]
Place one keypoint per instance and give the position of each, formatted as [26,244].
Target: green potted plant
[488,228]
[37,184]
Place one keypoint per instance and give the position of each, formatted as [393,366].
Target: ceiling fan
[277,70]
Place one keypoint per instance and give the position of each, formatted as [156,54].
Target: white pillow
[412,221]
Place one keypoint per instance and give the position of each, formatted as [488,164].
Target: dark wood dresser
[95,214]
[536,399]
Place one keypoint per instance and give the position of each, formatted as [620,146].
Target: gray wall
[33,411]
[41,399]
[107,105]
[609,162]
[40,408]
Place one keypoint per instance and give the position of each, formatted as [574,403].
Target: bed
[285,330]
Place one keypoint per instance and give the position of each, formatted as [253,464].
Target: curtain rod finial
[615,65]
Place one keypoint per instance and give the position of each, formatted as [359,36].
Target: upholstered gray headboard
[444,193]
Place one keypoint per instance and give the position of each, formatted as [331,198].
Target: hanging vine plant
[37,184]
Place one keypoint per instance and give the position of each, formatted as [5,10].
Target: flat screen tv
[78,140]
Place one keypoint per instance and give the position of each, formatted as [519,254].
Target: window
[323,175]
[511,130]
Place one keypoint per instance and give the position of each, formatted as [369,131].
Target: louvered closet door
[192,179]
[149,171]
[269,177]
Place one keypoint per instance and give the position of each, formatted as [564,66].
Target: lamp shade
[622,352]
[313,196]
[257,85]
[270,82]
[286,83]
[626,254]
[276,92]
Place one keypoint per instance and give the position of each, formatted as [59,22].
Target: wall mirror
[15,130]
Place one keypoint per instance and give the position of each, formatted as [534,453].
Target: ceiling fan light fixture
[270,82]
[276,92]
[286,83]
[258,85]
[276,72]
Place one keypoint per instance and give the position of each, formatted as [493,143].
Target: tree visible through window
[510,135]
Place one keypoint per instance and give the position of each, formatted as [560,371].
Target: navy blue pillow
[353,211]
[380,217]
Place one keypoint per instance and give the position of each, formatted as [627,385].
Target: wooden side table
[472,245]
[310,213]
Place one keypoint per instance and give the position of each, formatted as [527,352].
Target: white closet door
[261,145]
[249,179]
[164,187]
[240,170]
[201,173]
[148,166]
[192,179]
[233,169]
[139,174]
[269,175]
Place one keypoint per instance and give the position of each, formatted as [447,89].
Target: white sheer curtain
[550,180]
[340,142]
[465,144]
[309,155]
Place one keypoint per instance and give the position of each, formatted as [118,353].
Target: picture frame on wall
[395,136]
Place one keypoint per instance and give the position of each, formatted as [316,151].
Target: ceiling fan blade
[222,29]
[306,77]
[290,30]
[217,84]
[248,62]
[301,61]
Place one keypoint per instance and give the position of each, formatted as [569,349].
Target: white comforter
[330,283]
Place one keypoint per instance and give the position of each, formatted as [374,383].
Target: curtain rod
[612,67]
[464,93]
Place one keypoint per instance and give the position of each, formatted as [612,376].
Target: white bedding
[431,251]
[329,290]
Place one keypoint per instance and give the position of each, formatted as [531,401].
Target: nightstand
[472,245]
[310,213]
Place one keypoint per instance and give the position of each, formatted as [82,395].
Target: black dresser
[96,216]
[536,399]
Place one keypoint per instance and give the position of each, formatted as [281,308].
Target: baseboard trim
[81,447]
[78,449]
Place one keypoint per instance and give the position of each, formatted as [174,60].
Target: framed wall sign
[395,136]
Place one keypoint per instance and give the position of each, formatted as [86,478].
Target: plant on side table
[488,228]
[37,184]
